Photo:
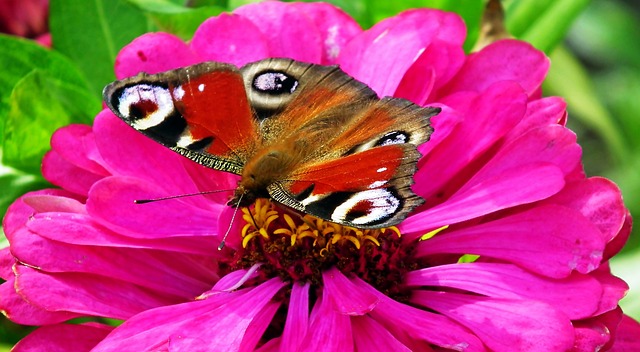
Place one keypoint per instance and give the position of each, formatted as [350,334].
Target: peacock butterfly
[310,137]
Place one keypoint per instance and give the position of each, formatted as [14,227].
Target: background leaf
[170,17]
[40,104]
[91,33]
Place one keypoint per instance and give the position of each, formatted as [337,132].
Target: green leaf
[39,104]
[91,33]
[19,57]
[568,78]
[172,18]
[543,23]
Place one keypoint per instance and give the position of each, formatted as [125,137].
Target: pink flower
[509,253]
[26,18]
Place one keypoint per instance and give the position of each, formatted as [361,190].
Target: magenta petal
[153,53]
[347,296]
[541,112]
[598,200]
[627,336]
[111,201]
[297,323]
[407,35]
[76,144]
[190,275]
[549,240]
[504,60]
[509,281]
[6,262]
[401,319]
[300,39]
[432,69]
[369,335]
[488,117]
[86,294]
[511,188]
[258,326]
[19,211]
[335,26]
[217,323]
[504,324]
[229,38]
[329,330]
[63,338]
[57,170]
[14,307]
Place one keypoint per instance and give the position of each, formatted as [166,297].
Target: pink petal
[591,336]
[443,124]
[627,336]
[488,117]
[349,298]
[76,144]
[229,38]
[509,281]
[111,202]
[549,240]
[540,112]
[329,330]
[598,200]
[86,294]
[614,288]
[300,39]
[406,35]
[511,188]
[189,275]
[14,307]
[504,60]
[45,203]
[335,26]
[63,338]
[408,324]
[6,262]
[431,70]
[369,335]
[615,246]
[217,323]
[81,229]
[258,326]
[153,53]
[57,170]
[504,324]
[19,211]
[128,152]
[297,323]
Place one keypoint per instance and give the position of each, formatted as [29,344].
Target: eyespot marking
[275,83]
[145,106]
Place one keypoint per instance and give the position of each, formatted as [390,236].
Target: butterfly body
[307,136]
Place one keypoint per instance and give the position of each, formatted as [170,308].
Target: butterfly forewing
[200,111]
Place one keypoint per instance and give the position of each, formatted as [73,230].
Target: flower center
[301,248]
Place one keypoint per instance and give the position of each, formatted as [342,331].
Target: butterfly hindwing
[200,111]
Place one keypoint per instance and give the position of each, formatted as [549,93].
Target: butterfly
[310,137]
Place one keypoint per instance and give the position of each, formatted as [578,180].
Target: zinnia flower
[26,18]
[509,252]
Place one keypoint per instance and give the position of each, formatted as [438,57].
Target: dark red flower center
[301,248]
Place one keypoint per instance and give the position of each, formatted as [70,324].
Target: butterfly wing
[200,111]
[359,151]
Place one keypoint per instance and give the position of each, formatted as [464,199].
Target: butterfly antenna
[233,217]
[143,201]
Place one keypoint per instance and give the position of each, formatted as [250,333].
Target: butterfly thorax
[269,165]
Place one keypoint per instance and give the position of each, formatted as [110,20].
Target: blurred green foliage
[594,46]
